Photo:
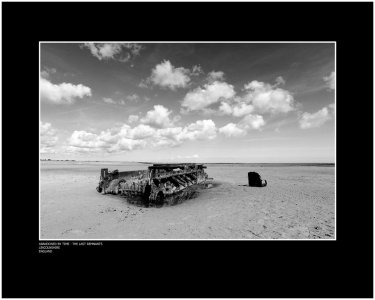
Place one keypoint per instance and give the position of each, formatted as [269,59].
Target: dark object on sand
[160,183]
[256,180]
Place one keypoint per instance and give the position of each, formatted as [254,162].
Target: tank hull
[160,184]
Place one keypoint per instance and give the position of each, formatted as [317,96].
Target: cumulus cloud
[63,93]
[237,109]
[196,70]
[200,130]
[267,98]
[255,84]
[317,119]
[249,122]
[280,81]
[330,80]
[133,119]
[232,130]
[242,109]
[201,98]
[226,108]
[215,75]
[252,122]
[139,132]
[103,51]
[158,116]
[257,97]
[83,139]
[122,52]
[46,72]
[48,137]
[129,138]
[168,76]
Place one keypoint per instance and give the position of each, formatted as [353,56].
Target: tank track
[173,198]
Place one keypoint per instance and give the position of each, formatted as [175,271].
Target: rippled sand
[298,203]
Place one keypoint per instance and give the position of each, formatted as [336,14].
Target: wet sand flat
[297,203]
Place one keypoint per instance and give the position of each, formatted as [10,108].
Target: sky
[188,102]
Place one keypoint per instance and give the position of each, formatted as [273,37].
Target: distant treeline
[279,164]
[47,159]
[238,163]
[266,164]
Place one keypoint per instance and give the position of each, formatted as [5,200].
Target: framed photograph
[183,136]
[211,150]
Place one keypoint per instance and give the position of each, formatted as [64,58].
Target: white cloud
[141,136]
[196,70]
[173,136]
[237,109]
[122,52]
[109,100]
[249,122]
[330,80]
[255,84]
[200,130]
[83,139]
[133,119]
[242,109]
[63,93]
[167,76]
[215,75]
[232,130]
[210,93]
[258,97]
[280,81]
[158,116]
[141,132]
[226,108]
[48,137]
[46,72]
[317,119]
[252,122]
[128,144]
[266,98]
[134,48]
[103,51]
[172,133]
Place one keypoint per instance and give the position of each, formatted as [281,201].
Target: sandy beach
[297,203]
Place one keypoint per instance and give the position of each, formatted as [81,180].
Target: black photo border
[123,269]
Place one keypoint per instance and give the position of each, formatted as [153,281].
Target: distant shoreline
[206,163]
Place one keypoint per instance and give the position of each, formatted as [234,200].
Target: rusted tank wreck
[158,184]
